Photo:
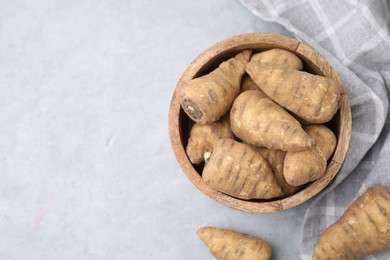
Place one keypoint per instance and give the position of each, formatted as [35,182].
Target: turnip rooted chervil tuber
[204,136]
[239,170]
[301,167]
[275,159]
[259,121]
[363,229]
[313,98]
[206,99]
[279,57]
[231,245]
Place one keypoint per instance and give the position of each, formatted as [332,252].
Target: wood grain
[209,60]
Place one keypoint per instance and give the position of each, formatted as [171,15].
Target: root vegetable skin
[240,171]
[324,137]
[206,99]
[275,159]
[309,165]
[311,97]
[304,166]
[203,136]
[231,245]
[259,121]
[363,229]
[280,57]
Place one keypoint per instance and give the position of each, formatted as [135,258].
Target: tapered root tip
[202,233]
[247,54]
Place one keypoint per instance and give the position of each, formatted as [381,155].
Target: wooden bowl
[179,122]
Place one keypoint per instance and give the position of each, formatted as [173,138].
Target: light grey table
[86,167]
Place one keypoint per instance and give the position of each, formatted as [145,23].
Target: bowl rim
[262,41]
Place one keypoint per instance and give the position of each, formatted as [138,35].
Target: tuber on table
[226,244]
[207,98]
[301,167]
[239,170]
[280,57]
[203,136]
[257,120]
[311,97]
[363,229]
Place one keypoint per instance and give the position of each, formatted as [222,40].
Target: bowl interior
[208,61]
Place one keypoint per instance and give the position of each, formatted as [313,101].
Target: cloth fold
[353,35]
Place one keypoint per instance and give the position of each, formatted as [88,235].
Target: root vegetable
[231,245]
[309,165]
[311,97]
[203,136]
[239,170]
[363,229]
[304,166]
[324,137]
[206,99]
[275,159]
[259,121]
[280,57]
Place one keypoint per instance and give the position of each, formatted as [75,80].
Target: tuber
[363,229]
[226,244]
[239,170]
[280,57]
[203,136]
[324,137]
[206,99]
[301,167]
[259,121]
[275,159]
[311,97]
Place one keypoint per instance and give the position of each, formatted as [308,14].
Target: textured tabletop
[86,167]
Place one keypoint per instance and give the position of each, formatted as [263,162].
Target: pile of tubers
[259,124]
[259,129]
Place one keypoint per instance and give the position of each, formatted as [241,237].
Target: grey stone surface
[86,167]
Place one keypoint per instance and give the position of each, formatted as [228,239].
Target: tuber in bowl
[180,124]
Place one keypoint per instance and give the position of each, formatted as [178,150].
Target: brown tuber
[280,57]
[239,170]
[203,136]
[259,121]
[206,99]
[275,159]
[311,97]
[226,244]
[363,229]
[309,165]
[324,137]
